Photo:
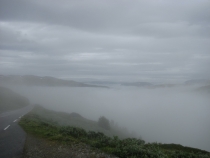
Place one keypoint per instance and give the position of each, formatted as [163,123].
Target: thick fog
[121,41]
[166,115]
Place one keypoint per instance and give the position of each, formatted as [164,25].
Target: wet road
[12,136]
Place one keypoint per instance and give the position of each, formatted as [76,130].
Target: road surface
[12,136]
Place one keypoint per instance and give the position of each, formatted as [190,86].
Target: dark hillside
[204,89]
[10,100]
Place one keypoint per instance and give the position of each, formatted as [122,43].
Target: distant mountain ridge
[138,84]
[204,89]
[31,80]
[198,81]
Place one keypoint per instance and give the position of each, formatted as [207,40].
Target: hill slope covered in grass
[10,100]
[50,128]
[76,120]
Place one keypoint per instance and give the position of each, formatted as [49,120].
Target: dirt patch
[36,147]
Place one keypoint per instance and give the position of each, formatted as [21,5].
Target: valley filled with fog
[143,65]
[165,115]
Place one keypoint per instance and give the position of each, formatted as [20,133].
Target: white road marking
[7,127]
[15,120]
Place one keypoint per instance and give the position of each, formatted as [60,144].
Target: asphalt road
[12,136]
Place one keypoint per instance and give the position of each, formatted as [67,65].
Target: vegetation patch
[124,148]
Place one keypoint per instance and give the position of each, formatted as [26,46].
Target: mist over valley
[114,69]
[177,115]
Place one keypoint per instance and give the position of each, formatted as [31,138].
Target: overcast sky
[119,40]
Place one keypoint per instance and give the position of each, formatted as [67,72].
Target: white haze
[166,115]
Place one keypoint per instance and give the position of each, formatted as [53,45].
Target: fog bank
[166,115]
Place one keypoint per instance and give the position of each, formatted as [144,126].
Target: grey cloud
[105,15]
[110,37]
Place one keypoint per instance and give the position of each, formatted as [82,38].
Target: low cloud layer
[109,40]
[167,115]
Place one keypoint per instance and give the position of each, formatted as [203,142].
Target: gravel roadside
[36,147]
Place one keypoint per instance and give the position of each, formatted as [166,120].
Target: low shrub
[123,148]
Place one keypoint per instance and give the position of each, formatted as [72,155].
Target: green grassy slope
[74,119]
[47,127]
[10,100]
